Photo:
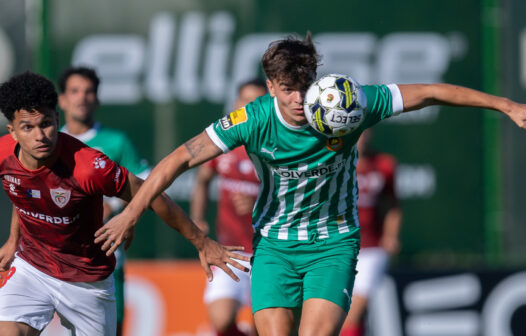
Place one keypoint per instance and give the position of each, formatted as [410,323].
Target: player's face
[247,94]
[36,133]
[290,101]
[79,100]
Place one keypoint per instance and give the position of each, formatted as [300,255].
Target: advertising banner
[170,68]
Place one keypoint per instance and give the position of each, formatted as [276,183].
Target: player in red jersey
[380,219]
[56,185]
[238,190]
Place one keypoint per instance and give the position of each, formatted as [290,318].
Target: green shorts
[286,273]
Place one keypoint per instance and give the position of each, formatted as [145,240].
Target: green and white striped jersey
[308,181]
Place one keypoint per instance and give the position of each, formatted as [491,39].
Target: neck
[31,163]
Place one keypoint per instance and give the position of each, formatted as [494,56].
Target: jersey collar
[286,124]
[86,136]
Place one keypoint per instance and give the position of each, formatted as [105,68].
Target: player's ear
[11,130]
[271,88]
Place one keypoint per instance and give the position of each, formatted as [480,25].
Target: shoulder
[82,157]
[7,146]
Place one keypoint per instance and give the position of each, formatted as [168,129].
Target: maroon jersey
[60,207]
[236,175]
[375,181]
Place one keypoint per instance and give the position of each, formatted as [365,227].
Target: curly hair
[81,71]
[27,91]
[291,61]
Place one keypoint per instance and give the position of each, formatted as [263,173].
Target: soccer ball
[335,105]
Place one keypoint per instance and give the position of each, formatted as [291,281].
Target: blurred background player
[79,100]
[380,219]
[238,190]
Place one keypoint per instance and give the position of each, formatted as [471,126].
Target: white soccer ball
[335,105]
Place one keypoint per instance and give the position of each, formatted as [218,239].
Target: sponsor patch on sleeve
[237,117]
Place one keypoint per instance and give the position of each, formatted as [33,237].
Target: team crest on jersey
[99,163]
[334,144]
[60,196]
[237,117]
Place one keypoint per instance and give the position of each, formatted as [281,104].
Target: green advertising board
[170,68]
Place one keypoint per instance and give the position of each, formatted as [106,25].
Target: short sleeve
[383,101]
[97,174]
[235,128]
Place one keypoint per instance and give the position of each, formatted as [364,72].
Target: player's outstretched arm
[7,252]
[192,153]
[417,96]
[114,234]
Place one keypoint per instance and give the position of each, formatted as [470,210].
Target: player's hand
[119,230]
[7,255]
[518,114]
[243,204]
[213,253]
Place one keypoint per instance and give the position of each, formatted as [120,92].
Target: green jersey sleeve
[383,101]
[240,126]
[131,159]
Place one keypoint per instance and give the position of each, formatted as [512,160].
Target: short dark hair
[27,91]
[257,82]
[85,72]
[291,61]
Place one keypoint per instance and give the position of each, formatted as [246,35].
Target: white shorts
[224,287]
[31,297]
[371,267]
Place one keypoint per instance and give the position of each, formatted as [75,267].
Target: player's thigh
[276,321]
[371,267]
[222,313]
[17,329]
[331,277]
[89,307]
[320,317]
[275,282]
[25,296]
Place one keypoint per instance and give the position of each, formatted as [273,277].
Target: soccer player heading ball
[56,185]
[307,233]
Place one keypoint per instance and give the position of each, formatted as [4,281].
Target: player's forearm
[177,219]
[199,202]
[417,96]
[160,178]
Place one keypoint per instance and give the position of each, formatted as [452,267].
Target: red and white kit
[59,209]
